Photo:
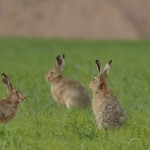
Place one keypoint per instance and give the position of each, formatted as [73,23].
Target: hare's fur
[106,107]
[9,105]
[66,92]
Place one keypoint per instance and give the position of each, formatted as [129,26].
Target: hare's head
[99,82]
[14,94]
[56,72]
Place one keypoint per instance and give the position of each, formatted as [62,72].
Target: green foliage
[41,124]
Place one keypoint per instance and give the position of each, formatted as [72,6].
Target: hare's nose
[23,97]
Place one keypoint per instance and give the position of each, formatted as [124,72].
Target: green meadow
[41,124]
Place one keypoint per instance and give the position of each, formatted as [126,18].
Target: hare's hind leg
[67,104]
[70,103]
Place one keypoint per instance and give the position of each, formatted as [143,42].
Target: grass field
[41,124]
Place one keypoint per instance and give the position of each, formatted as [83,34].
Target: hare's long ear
[106,68]
[7,82]
[60,61]
[98,66]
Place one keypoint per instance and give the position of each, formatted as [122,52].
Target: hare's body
[69,93]
[106,107]
[9,105]
[8,110]
[107,110]
[66,92]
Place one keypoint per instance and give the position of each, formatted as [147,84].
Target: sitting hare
[107,110]
[66,92]
[9,105]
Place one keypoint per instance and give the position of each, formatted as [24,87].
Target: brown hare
[66,92]
[107,110]
[9,105]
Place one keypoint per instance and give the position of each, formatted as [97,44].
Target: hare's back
[7,111]
[7,107]
[77,92]
[73,86]
[4,104]
[114,115]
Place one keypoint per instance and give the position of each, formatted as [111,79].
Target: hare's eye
[93,79]
[16,91]
[50,72]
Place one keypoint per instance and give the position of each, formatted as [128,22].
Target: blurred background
[84,19]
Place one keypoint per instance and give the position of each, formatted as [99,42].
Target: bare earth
[88,19]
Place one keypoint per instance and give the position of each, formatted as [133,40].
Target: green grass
[41,124]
